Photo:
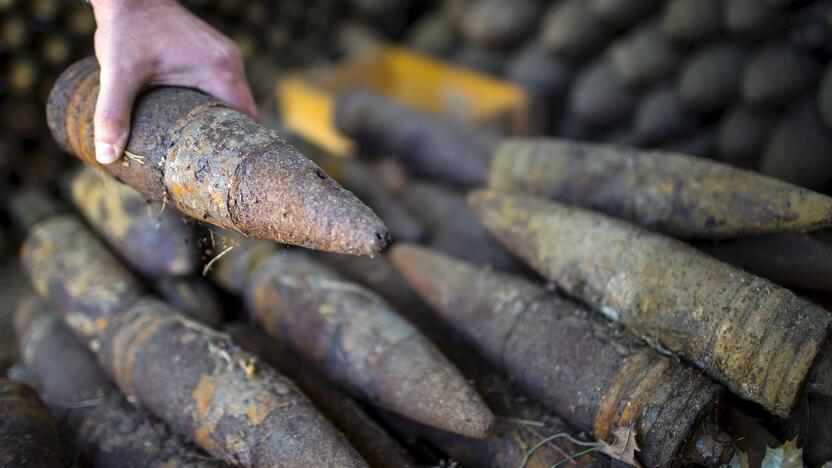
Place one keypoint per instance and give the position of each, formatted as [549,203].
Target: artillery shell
[600,99]
[567,356]
[217,165]
[370,439]
[224,399]
[360,342]
[234,269]
[499,23]
[825,97]
[28,436]
[692,21]
[480,58]
[757,338]
[571,32]
[535,69]
[621,14]
[357,176]
[76,273]
[794,260]
[151,239]
[710,79]
[452,226]
[97,422]
[661,116]
[751,19]
[381,125]
[776,73]
[797,148]
[644,56]
[743,132]
[193,296]
[672,193]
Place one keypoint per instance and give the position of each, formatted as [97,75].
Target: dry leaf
[624,447]
[784,456]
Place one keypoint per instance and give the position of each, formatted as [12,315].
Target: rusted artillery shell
[672,193]
[757,338]
[599,98]
[28,436]
[801,261]
[776,73]
[151,239]
[811,29]
[360,342]
[535,69]
[427,145]
[217,165]
[358,177]
[743,132]
[76,273]
[452,226]
[33,204]
[226,400]
[710,79]
[661,116]
[370,439]
[570,358]
[797,150]
[570,31]
[692,21]
[752,19]
[194,296]
[825,97]
[644,56]
[499,23]
[97,422]
[513,436]
[620,14]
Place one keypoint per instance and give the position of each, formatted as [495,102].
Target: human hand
[141,43]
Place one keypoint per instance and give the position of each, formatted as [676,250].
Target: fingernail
[105,153]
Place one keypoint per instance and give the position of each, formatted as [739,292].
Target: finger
[112,115]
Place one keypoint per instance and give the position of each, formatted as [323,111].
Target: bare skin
[141,43]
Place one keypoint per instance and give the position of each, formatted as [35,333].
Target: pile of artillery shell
[196,380]
[757,338]
[28,435]
[570,359]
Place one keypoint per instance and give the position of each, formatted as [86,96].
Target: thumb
[112,115]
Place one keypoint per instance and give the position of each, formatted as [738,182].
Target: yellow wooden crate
[308,99]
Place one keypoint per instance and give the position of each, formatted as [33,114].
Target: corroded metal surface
[231,404]
[574,361]
[151,239]
[217,165]
[757,338]
[76,273]
[368,437]
[97,422]
[28,435]
[360,342]
[673,193]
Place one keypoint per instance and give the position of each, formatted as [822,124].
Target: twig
[559,435]
[134,157]
[208,265]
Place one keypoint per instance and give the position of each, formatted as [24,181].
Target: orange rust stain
[203,393]
[203,438]
[256,413]
[616,391]
[642,394]
[101,323]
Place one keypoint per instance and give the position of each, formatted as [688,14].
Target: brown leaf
[624,447]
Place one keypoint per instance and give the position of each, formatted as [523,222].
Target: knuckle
[228,55]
